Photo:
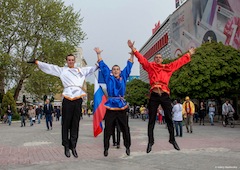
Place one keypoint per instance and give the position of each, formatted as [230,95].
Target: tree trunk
[18,89]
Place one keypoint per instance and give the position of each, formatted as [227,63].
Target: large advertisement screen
[198,21]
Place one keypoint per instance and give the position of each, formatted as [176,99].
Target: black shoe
[149,147]
[67,152]
[105,153]
[74,152]
[191,131]
[128,151]
[175,145]
[118,146]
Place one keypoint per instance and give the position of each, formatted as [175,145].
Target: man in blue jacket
[116,105]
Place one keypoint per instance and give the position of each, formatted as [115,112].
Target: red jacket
[160,74]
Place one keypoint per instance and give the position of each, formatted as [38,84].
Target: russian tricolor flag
[99,109]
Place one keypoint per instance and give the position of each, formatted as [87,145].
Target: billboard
[198,21]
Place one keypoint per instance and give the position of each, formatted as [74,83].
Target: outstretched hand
[97,50]
[131,44]
[191,51]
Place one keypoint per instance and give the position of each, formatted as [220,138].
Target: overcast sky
[110,23]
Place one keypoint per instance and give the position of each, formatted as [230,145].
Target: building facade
[191,24]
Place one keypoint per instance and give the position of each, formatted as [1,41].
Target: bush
[15,116]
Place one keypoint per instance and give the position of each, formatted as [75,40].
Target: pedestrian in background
[202,113]
[48,111]
[211,113]
[9,114]
[188,112]
[58,113]
[178,117]
[116,135]
[226,110]
[39,113]
[23,114]
[31,114]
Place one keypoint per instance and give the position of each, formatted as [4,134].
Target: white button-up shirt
[72,78]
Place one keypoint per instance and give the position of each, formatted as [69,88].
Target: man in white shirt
[177,117]
[72,79]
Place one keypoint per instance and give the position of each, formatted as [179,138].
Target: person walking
[9,115]
[48,111]
[116,135]
[58,113]
[116,105]
[72,79]
[31,114]
[226,110]
[39,113]
[159,75]
[23,114]
[202,113]
[188,112]
[211,113]
[178,117]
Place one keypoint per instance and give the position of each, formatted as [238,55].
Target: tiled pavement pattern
[208,147]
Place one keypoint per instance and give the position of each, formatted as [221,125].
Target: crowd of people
[34,114]
[187,112]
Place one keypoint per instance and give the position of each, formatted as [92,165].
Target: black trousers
[71,112]
[154,101]
[110,117]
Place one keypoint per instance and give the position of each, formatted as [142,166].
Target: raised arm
[142,60]
[47,68]
[127,70]
[182,60]
[103,67]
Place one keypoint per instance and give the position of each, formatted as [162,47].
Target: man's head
[116,71]
[158,59]
[70,59]
[47,101]
[187,99]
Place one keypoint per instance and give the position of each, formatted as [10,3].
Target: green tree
[9,100]
[90,94]
[137,92]
[43,29]
[213,72]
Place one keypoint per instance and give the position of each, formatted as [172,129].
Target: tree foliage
[90,94]
[43,29]
[213,72]
[9,100]
[137,92]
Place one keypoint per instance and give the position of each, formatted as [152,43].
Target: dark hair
[116,66]
[70,55]
[178,100]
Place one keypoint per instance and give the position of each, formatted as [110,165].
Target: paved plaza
[35,148]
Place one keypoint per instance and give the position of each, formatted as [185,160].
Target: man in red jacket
[159,75]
